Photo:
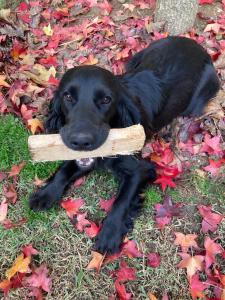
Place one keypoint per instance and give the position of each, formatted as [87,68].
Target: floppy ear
[55,119]
[128,112]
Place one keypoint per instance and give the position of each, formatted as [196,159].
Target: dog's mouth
[85,162]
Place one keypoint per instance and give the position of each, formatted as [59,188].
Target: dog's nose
[82,140]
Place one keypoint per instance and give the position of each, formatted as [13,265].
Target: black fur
[172,77]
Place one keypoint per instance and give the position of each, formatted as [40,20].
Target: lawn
[38,43]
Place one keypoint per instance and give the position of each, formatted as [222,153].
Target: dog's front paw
[43,199]
[109,239]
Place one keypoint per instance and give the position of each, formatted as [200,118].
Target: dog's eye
[106,100]
[68,97]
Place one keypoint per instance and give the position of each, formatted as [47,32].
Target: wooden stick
[123,141]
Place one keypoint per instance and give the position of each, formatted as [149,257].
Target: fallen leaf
[40,279]
[2,79]
[48,30]
[212,249]
[28,250]
[210,220]
[154,260]
[206,1]
[8,224]
[40,74]
[79,181]
[96,261]
[197,287]
[5,286]
[214,166]
[21,265]
[72,206]
[130,249]
[10,193]
[3,210]
[92,230]
[186,241]
[121,291]
[191,263]
[151,296]
[106,205]
[125,273]
[15,170]
[82,222]
[35,125]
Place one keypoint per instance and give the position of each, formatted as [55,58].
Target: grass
[67,252]
[9,3]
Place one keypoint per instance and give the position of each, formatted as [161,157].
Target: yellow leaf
[48,30]
[27,59]
[21,265]
[5,13]
[3,82]
[34,124]
[40,74]
[151,296]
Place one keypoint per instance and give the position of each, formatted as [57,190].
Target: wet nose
[82,140]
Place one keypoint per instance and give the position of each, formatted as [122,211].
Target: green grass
[9,3]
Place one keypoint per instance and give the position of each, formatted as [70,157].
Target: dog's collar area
[85,162]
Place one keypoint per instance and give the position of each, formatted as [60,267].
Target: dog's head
[89,101]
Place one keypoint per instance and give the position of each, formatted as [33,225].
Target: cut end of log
[122,141]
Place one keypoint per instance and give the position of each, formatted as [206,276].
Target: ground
[65,250]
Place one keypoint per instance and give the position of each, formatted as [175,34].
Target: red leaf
[130,249]
[197,287]
[40,279]
[154,260]
[17,280]
[165,181]
[25,112]
[92,230]
[125,273]
[3,210]
[165,297]
[36,292]
[186,241]
[8,224]
[206,1]
[121,291]
[82,222]
[72,206]
[210,220]
[214,166]
[80,181]
[211,145]
[10,193]
[191,263]
[212,249]
[16,169]
[28,250]
[106,205]
[5,286]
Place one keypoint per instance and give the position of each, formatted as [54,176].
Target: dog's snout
[82,140]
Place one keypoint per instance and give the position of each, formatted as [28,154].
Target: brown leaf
[21,265]
[35,125]
[185,241]
[96,261]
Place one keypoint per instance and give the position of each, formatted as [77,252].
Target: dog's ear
[55,119]
[128,113]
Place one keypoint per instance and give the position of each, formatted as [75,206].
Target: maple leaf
[185,241]
[197,287]
[211,145]
[191,263]
[79,181]
[154,260]
[28,250]
[48,30]
[91,60]
[92,230]
[151,296]
[106,205]
[125,273]
[40,74]
[21,265]
[5,286]
[8,224]
[10,193]
[35,125]
[3,210]
[212,249]
[96,261]
[81,221]
[25,112]
[17,50]
[210,220]
[3,82]
[36,292]
[121,291]
[165,181]
[167,210]
[214,166]
[72,206]
[129,248]
[206,1]
[15,170]
[40,279]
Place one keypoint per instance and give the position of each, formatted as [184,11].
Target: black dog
[172,77]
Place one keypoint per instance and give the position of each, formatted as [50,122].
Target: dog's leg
[52,191]
[133,175]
